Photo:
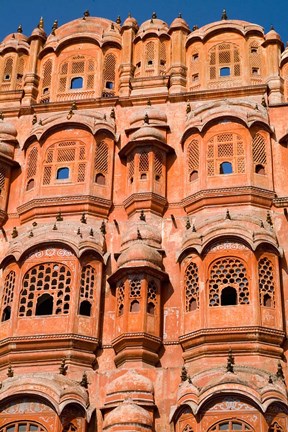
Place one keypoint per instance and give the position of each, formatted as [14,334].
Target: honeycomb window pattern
[228,273]
[51,278]
[3,176]
[87,284]
[143,162]
[266,283]
[101,160]
[109,72]
[191,281]
[158,165]
[8,69]
[23,426]
[224,56]
[66,154]
[131,166]
[32,163]
[151,296]
[120,298]
[8,292]
[259,150]
[226,147]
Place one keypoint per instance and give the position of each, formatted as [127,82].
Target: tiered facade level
[143,211]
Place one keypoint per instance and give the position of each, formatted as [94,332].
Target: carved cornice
[145,200]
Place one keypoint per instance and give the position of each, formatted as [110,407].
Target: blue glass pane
[226,168]
[62,173]
[76,83]
[225,71]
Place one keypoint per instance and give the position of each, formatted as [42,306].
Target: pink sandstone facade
[143,211]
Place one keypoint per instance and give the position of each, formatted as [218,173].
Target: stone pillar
[126,69]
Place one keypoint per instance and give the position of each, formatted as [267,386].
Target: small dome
[131,381]
[179,22]
[153,25]
[128,412]
[7,130]
[15,37]
[139,254]
[149,234]
[112,35]
[90,26]
[147,132]
[272,35]
[155,116]
[130,22]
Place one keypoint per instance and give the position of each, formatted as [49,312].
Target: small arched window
[191,287]
[224,71]
[62,173]
[135,306]
[44,305]
[85,308]
[87,290]
[226,168]
[228,296]
[23,426]
[76,83]
[8,294]
[30,185]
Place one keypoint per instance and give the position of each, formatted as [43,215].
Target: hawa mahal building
[143,211]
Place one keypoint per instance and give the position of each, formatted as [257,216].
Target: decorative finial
[261,224]
[188,224]
[129,15]
[34,119]
[84,382]
[1,115]
[279,373]
[19,29]
[86,14]
[91,233]
[139,237]
[59,217]
[14,233]
[83,219]
[112,26]
[227,216]
[224,15]
[269,219]
[54,27]
[142,216]
[63,368]
[154,16]
[146,119]
[263,102]
[180,15]
[79,232]
[272,27]
[103,228]
[256,107]
[230,362]
[195,27]
[118,20]
[40,122]
[184,374]
[112,113]
[72,109]
[149,102]
[188,108]
[41,24]
[270,380]
[193,228]
[31,234]
[55,227]
[10,372]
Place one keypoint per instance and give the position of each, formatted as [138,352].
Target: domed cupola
[112,35]
[146,153]
[133,385]
[179,23]
[130,22]
[128,416]
[154,25]
[138,281]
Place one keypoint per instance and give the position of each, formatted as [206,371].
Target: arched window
[8,68]
[226,168]
[8,295]
[87,290]
[231,426]
[151,297]
[135,294]
[76,83]
[46,79]
[224,60]
[20,72]
[259,154]
[65,160]
[120,295]
[32,161]
[109,75]
[225,154]
[193,160]
[62,173]
[228,282]
[46,290]
[143,165]
[101,162]
[131,167]
[266,283]
[191,280]
[23,426]
[275,427]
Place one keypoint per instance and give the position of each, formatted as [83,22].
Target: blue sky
[28,12]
